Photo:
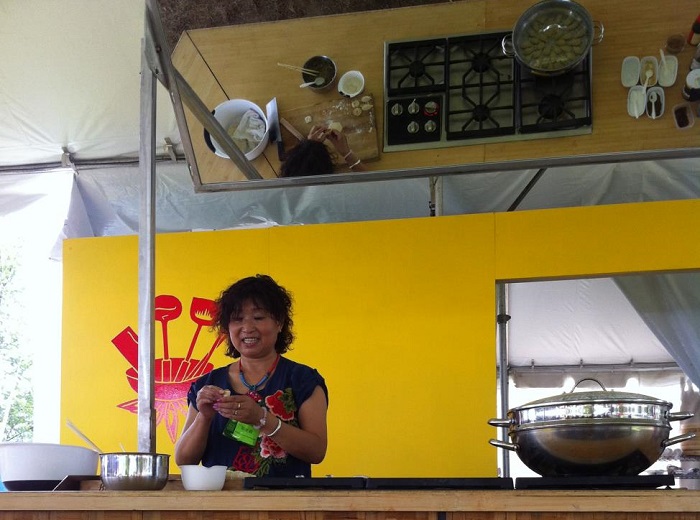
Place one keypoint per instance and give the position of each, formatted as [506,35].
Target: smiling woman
[265,414]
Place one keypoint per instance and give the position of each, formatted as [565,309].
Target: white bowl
[201,478]
[351,84]
[228,114]
[42,466]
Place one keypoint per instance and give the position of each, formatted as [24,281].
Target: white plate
[629,74]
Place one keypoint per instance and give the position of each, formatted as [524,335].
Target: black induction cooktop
[376,483]
[596,482]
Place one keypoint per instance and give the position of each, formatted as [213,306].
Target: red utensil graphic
[198,369]
[127,342]
[167,308]
[203,313]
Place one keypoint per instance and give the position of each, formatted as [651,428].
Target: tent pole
[502,319]
[146,264]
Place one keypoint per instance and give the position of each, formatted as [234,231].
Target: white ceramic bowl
[229,113]
[42,466]
[201,478]
[351,84]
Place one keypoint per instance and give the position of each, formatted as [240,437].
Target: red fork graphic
[203,313]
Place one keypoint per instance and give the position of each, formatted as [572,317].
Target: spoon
[83,436]
[663,58]
[652,99]
[318,81]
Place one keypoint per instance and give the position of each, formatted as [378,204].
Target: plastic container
[648,63]
[668,71]
[636,101]
[655,102]
[629,74]
[229,114]
[683,116]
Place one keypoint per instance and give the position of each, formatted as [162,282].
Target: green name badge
[241,432]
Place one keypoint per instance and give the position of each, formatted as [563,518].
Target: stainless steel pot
[553,36]
[134,471]
[590,432]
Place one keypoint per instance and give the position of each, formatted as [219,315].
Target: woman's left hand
[241,408]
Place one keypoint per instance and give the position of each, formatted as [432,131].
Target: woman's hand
[318,133]
[240,408]
[207,399]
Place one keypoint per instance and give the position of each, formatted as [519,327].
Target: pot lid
[595,396]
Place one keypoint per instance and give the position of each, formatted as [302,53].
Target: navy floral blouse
[290,385]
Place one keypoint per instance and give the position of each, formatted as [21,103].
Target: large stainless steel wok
[590,432]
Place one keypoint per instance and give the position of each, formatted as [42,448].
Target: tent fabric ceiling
[70,78]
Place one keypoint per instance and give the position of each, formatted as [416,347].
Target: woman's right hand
[207,397]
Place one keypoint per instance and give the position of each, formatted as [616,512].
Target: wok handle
[501,423]
[677,439]
[507,45]
[598,28]
[504,445]
[680,416]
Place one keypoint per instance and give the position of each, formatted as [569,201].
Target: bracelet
[263,419]
[345,157]
[354,164]
[277,428]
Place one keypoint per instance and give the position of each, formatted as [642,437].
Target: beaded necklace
[253,389]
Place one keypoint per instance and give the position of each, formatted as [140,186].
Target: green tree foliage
[16,399]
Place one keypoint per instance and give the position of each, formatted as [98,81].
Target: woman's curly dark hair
[266,294]
[307,158]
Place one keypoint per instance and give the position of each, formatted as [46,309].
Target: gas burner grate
[480,90]
[556,102]
[414,67]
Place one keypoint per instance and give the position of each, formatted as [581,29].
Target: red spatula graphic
[167,308]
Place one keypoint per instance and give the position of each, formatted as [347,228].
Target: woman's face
[253,332]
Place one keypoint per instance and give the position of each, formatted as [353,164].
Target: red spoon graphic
[167,307]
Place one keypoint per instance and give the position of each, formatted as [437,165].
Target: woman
[281,402]
[311,157]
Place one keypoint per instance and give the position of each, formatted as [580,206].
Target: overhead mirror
[441,96]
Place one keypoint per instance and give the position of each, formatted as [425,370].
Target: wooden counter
[241,62]
[336,505]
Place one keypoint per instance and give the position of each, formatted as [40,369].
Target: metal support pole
[502,319]
[146,265]
[435,205]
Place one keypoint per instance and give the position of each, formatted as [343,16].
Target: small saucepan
[552,37]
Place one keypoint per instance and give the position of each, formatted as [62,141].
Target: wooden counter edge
[672,500]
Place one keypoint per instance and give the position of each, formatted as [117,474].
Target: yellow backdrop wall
[399,317]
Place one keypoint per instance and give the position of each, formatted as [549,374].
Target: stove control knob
[430,108]
[430,126]
[414,107]
[413,127]
[396,109]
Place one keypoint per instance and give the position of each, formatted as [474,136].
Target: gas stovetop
[462,90]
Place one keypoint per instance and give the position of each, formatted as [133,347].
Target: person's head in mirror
[312,157]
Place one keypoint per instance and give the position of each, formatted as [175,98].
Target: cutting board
[356,117]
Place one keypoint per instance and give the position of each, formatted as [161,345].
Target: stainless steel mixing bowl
[134,471]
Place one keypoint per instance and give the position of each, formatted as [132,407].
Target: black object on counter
[304,483]
[439,483]
[596,482]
